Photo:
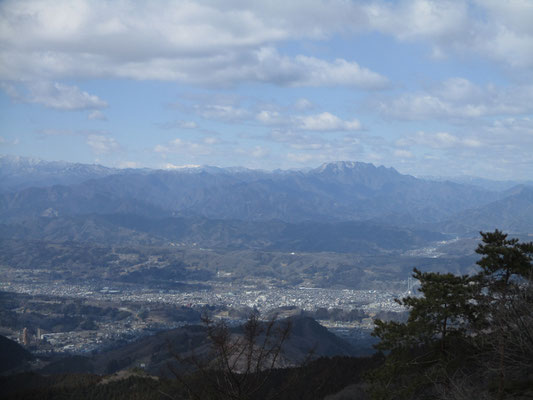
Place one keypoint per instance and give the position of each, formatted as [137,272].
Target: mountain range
[226,206]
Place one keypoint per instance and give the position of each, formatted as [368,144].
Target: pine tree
[507,300]
[504,261]
[477,327]
[424,348]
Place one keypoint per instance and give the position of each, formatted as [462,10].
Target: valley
[102,268]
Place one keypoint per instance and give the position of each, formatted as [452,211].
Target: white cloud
[303,104]
[178,124]
[499,149]
[101,144]
[224,43]
[310,146]
[524,125]
[302,157]
[63,97]
[8,142]
[289,136]
[419,18]
[275,116]
[129,164]
[264,65]
[188,125]
[11,91]
[258,152]
[222,112]
[71,132]
[213,43]
[500,30]
[512,134]
[507,34]
[321,146]
[438,140]
[58,132]
[173,166]
[403,153]
[310,71]
[161,149]
[55,95]
[458,98]
[211,140]
[327,122]
[267,117]
[97,115]
[188,148]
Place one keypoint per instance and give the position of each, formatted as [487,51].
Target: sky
[431,88]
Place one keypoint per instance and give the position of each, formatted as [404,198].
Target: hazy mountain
[17,173]
[92,228]
[333,192]
[513,213]
[274,235]
[483,183]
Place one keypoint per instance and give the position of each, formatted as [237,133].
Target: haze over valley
[341,238]
[266,200]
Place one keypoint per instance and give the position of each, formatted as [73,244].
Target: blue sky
[428,87]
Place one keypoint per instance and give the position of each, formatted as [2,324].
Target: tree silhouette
[463,332]
[237,364]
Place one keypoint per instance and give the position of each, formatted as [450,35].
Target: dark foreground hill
[155,353]
[12,355]
[333,377]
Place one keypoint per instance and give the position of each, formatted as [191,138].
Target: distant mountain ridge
[17,173]
[333,192]
[496,185]
[514,213]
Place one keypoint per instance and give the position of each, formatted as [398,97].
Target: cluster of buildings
[222,295]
